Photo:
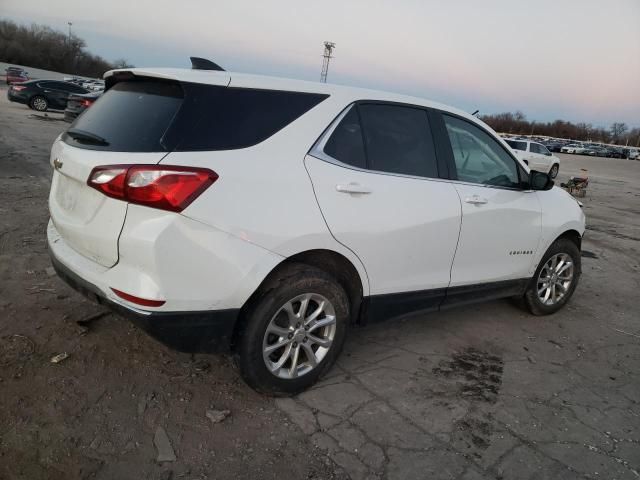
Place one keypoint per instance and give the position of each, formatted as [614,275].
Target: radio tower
[326,56]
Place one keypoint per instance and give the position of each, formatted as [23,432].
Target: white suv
[263,216]
[536,155]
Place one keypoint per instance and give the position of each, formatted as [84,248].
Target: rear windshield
[130,117]
[517,145]
[152,116]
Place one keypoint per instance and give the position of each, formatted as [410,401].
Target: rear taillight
[86,103]
[17,88]
[165,187]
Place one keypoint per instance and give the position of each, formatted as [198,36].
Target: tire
[277,307]
[561,249]
[553,173]
[39,103]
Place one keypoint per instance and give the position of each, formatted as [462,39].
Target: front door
[501,218]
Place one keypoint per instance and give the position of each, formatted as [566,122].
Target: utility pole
[69,38]
[326,57]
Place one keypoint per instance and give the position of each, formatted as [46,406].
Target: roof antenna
[475,113]
[198,63]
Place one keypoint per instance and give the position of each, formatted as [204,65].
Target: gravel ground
[485,391]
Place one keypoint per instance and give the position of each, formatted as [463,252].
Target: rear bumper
[16,97]
[207,331]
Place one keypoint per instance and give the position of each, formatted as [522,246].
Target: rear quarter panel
[264,195]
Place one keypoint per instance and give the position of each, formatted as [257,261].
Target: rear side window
[516,145]
[398,140]
[385,138]
[130,117]
[153,116]
[345,143]
[222,118]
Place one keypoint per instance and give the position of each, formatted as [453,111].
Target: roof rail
[198,63]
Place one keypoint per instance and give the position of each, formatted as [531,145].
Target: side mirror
[540,180]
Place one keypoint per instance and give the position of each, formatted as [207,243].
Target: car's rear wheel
[39,103]
[555,279]
[294,331]
[553,173]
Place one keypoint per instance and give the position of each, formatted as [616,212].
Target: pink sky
[577,60]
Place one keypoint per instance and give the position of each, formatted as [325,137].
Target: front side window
[535,148]
[398,140]
[543,150]
[517,145]
[478,157]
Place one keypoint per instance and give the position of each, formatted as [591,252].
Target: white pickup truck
[536,155]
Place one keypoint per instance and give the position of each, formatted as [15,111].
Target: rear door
[129,124]
[377,182]
[501,218]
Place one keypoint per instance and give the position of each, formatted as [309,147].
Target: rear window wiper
[88,137]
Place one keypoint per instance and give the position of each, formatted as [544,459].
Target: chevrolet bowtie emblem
[57,164]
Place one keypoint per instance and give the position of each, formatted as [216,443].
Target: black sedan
[42,95]
[554,146]
[78,103]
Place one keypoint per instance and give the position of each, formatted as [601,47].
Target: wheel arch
[329,261]
[572,235]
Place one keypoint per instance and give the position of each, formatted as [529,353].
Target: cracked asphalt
[480,392]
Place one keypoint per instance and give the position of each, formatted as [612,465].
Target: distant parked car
[554,146]
[574,148]
[634,154]
[617,152]
[536,155]
[597,152]
[42,95]
[93,85]
[78,103]
[15,75]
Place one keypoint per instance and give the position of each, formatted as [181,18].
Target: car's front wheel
[555,279]
[294,331]
[553,173]
[39,103]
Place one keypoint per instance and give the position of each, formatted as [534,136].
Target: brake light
[86,103]
[165,187]
[17,88]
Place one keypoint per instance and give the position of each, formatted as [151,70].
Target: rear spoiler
[114,76]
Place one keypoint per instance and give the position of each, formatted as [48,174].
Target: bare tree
[618,129]
[40,46]
[122,63]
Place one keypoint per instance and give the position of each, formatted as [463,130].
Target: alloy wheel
[299,336]
[39,104]
[555,279]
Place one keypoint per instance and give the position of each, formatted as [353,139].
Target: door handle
[476,200]
[353,188]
